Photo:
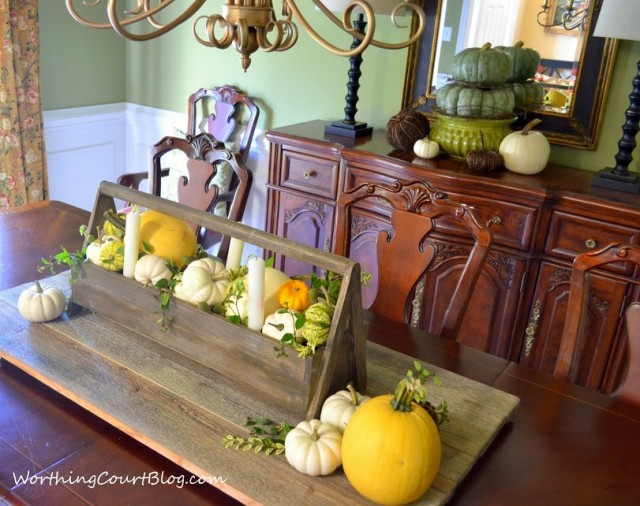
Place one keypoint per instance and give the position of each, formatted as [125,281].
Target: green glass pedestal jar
[458,135]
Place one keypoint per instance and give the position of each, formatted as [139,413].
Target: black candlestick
[349,127]
[619,177]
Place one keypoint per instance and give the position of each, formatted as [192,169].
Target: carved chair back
[205,158]
[571,345]
[227,114]
[404,252]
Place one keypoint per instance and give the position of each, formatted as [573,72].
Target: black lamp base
[627,183]
[353,131]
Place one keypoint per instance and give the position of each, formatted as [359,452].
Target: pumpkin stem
[38,287]
[355,400]
[116,220]
[529,126]
[403,396]
[314,434]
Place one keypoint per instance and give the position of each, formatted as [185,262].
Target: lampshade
[619,19]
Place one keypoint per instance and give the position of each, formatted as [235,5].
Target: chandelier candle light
[248,24]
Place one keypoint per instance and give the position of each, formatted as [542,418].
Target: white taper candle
[131,242]
[234,257]
[255,294]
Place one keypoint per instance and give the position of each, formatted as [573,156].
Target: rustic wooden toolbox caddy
[212,342]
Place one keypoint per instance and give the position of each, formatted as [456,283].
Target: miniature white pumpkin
[525,152]
[282,322]
[314,448]
[426,148]
[150,269]
[41,303]
[205,280]
[338,408]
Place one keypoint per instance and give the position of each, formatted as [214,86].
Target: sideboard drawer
[310,174]
[570,235]
[512,223]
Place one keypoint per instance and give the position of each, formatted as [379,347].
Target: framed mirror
[573,62]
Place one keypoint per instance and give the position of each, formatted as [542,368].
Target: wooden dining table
[564,444]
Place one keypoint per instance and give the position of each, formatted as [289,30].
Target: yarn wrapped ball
[405,128]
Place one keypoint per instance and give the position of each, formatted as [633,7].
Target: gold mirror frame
[580,128]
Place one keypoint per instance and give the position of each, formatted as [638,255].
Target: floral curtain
[23,176]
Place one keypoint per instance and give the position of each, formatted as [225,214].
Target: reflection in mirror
[471,23]
[575,61]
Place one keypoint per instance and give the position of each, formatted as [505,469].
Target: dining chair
[571,344]
[205,158]
[404,252]
[229,115]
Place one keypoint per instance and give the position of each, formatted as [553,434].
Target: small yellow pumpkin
[294,295]
[426,148]
[405,442]
[525,152]
[41,303]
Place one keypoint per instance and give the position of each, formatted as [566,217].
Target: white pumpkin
[314,448]
[150,269]
[426,148]
[338,408]
[525,152]
[282,322]
[41,303]
[237,303]
[205,280]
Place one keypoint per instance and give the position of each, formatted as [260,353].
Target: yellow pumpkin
[391,456]
[294,295]
[168,237]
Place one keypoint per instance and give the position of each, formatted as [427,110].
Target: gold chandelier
[250,24]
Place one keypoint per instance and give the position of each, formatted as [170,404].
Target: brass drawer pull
[495,220]
[532,329]
[590,243]
[309,173]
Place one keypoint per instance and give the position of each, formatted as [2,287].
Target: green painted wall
[81,67]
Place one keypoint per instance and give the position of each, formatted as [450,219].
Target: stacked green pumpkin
[475,111]
[528,92]
[479,87]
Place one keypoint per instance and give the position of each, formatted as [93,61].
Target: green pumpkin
[317,323]
[524,61]
[458,99]
[483,66]
[527,95]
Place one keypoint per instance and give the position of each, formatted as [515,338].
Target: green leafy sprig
[264,435]
[72,260]
[412,387]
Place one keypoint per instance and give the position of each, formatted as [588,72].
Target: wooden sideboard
[539,224]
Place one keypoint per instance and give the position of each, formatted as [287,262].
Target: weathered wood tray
[209,341]
[183,412]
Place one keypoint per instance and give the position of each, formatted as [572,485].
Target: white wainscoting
[87,145]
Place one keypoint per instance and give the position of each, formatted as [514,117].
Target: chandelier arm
[139,13]
[211,41]
[366,40]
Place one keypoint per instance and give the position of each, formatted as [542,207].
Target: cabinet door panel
[543,335]
[306,221]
